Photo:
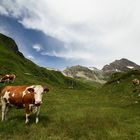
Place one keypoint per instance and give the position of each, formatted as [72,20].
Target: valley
[75,108]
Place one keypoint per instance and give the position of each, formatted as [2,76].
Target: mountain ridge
[79,71]
[121,65]
[10,44]
[101,76]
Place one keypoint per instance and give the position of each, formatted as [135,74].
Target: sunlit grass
[76,114]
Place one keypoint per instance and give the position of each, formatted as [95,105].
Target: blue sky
[63,33]
[33,43]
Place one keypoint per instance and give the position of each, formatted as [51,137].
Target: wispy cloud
[3,11]
[69,55]
[95,30]
[30,57]
[37,47]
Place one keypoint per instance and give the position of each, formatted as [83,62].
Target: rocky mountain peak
[120,65]
[90,73]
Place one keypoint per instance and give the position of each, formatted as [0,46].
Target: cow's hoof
[26,122]
[36,121]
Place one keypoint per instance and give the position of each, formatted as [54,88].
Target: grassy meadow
[73,114]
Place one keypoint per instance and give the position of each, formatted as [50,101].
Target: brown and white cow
[28,97]
[6,78]
[135,82]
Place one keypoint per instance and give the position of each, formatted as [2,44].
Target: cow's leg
[3,110]
[27,118]
[6,112]
[37,113]
[8,80]
[12,81]
[3,113]
[27,113]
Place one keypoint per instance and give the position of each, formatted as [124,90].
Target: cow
[7,78]
[28,97]
[135,82]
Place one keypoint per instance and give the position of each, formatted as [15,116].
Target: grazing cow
[28,97]
[135,82]
[7,78]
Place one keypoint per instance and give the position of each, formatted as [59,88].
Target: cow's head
[38,91]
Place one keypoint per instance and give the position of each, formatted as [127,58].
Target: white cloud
[37,47]
[69,55]
[30,57]
[96,30]
[3,11]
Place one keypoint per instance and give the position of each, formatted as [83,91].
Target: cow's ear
[30,89]
[46,90]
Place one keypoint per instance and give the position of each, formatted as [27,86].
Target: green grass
[68,114]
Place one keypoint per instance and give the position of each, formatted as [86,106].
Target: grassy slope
[107,113]
[26,71]
[122,108]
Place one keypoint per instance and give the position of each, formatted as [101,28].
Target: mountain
[91,73]
[94,74]
[121,65]
[27,72]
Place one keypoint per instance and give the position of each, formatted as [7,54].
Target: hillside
[13,61]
